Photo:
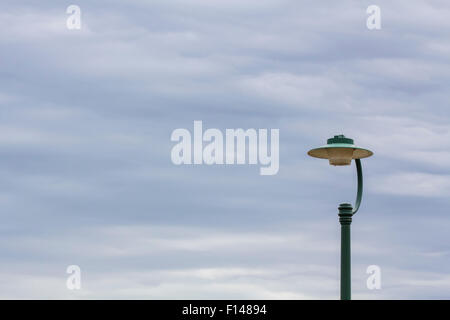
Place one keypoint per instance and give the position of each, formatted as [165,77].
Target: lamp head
[340,151]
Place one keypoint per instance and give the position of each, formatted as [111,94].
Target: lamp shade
[340,151]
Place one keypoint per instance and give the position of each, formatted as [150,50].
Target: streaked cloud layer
[85,124]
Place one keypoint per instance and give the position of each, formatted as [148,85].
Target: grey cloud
[86,118]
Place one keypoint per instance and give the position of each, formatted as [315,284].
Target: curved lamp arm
[360,185]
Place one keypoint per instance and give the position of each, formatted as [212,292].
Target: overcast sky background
[86,176]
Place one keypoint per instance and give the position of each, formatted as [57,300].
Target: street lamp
[340,151]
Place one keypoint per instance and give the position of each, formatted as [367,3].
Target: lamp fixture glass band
[340,151]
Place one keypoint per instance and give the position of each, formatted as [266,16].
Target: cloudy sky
[87,179]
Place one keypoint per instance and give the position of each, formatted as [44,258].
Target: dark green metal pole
[346,211]
[345,218]
[360,185]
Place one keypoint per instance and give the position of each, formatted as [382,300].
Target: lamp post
[340,151]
